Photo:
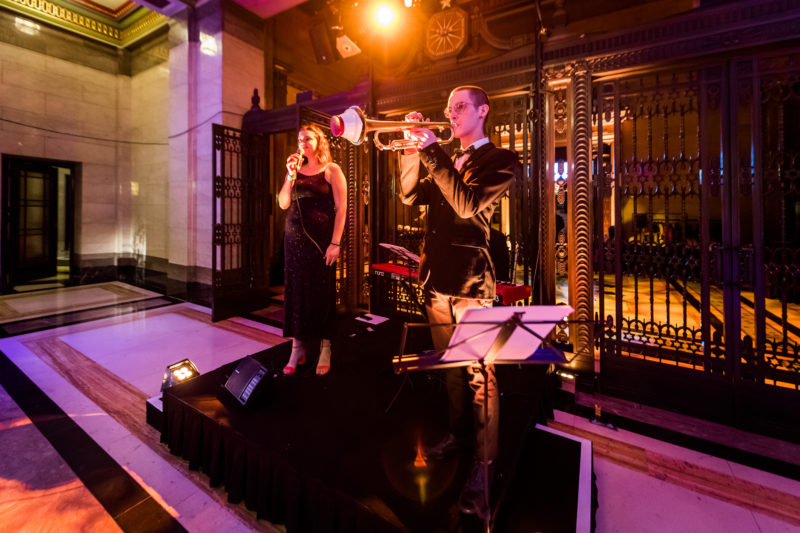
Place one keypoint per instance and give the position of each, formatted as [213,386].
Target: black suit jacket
[455,258]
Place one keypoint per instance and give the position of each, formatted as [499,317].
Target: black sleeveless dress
[309,285]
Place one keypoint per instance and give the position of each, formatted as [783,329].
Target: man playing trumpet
[455,266]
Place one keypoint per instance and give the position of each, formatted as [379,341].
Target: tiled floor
[99,373]
[38,490]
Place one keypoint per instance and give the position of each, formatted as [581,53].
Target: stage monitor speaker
[323,43]
[246,381]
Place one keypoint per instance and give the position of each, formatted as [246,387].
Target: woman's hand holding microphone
[293,164]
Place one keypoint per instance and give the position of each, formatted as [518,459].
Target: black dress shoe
[449,446]
[474,497]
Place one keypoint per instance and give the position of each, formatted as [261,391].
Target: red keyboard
[507,293]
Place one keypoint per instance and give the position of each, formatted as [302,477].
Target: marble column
[216,61]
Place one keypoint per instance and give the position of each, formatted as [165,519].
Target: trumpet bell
[350,125]
[354,126]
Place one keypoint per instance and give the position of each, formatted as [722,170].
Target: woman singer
[315,193]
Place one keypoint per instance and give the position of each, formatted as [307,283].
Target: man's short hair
[478,97]
[476,94]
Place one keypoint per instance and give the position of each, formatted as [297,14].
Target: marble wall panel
[88,152]
[243,71]
[38,121]
[99,213]
[196,103]
[93,197]
[10,54]
[94,173]
[154,51]
[82,72]
[150,163]
[20,74]
[209,106]
[124,106]
[106,94]
[102,239]
[17,140]
[60,109]
[27,100]
[178,200]
[71,100]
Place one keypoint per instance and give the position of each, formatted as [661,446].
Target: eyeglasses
[457,109]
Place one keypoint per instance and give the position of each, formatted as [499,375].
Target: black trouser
[449,309]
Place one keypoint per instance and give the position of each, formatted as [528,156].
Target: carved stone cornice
[701,32]
[119,33]
[695,34]
[496,41]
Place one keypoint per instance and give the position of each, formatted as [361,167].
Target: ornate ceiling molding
[116,14]
[136,25]
[496,41]
[703,32]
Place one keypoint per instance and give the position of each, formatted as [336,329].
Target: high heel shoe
[324,363]
[323,369]
[290,369]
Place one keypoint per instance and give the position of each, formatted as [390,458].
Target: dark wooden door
[30,211]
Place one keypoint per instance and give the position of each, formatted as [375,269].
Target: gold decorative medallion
[446,34]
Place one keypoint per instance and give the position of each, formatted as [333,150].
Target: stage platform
[325,454]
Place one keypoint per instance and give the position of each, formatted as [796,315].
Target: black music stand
[492,335]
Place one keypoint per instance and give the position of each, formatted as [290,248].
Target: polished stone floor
[82,458]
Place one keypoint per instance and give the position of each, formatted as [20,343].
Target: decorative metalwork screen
[240,216]
[652,278]
[766,104]
[518,213]
[698,226]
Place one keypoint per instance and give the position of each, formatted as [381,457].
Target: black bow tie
[459,152]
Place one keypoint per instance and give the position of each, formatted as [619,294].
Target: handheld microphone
[299,161]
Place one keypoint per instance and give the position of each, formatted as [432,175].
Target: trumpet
[354,126]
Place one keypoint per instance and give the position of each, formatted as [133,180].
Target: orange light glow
[422,482]
[385,15]
[419,460]
[421,478]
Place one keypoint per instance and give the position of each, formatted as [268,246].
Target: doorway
[37,223]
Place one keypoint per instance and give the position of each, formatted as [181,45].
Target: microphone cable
[296,199]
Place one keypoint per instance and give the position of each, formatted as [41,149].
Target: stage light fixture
[385,15]
[346,47]
[178,373]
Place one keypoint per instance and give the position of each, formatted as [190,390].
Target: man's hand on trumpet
[422,136]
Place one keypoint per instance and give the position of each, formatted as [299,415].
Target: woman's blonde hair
[323,152]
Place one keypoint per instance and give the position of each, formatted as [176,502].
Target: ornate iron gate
[697,226]
[241,216]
